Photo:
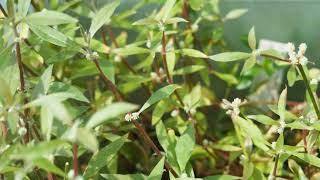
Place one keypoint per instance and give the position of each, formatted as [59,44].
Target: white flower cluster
[314,81]
[157,77]
[175,113]
[297,58]
[131,116]
[232,107]
[92,56]
[282,126]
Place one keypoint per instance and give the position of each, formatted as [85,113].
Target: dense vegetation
[148,89]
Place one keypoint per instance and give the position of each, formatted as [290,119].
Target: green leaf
[221,177]
[280,142]
[291,76]
[174,20]
[263,119]
[103,16]
[196,4]
[228,78]
[282,102]
[184,147]
[157,171]
[253,132]
[87,139]
[46,119]
[57,87]
[230,56]
[94,45]
[249,63]
[23,7]
[130,50]
[252,39]
[38,150]
[226,147]
[297,124]
[188,69]
[159,95]
[51,35]
[159,110]
[124,177]
[102,157]
[163,14]
[47,17]
[109,112]
[146,21]
[296,169]
[43,84]
[162,135]
[192,53]
[235,13]
[48,166]
[308,158]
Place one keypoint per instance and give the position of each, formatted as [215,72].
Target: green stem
[274,171]
[311,94]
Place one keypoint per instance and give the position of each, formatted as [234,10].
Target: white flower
[117,58]
[193,111]
[148,44]
[131,116]
[194,27]
[22,131]
[271,177]
[70,174]
[273,145]
[297,58]
[155,77]
[280,130]
[232,108]
[175,113]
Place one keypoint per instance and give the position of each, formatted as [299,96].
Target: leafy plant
[112,90]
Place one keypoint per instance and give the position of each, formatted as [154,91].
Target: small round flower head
[95,55]
[194,27]
[205,142]
[128,117]
[271,177]
[70,174]
[88,56]
[303,60]
[280,130]
[232,108]
[155,77]
[175,113]
[148,44]
[161,71]
[291,47]
[135,115]
[161,26]
[193,111]
[117,58]
[22,131]
[302,49]
[273,145]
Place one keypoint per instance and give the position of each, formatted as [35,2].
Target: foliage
[112,90]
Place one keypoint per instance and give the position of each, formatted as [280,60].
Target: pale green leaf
[87,139]
[57,87]
[43,84]
[229,56]
[47,17]
[103,16]
[263,119]
[235,13]
[157,171]
[159,95]
[162,135]
[188,69]
[282,102]
[103,156]
[174,20]
[23,7]
[130,50]
[252,39]
[308,158]
[109,112]
[192,53]
[48,166]
[163,14]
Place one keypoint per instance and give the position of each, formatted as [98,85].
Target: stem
[306,82]
[150,143]
[3,11]
[274,171]
[75,160]
[109,84]
[164,58]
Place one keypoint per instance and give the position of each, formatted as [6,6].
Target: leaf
[47,17]
[221,177]
[252,39]
[162,135]
[184,147]
[43,84]
[158,95]
[103,16]
[296,169]
[48,166]
[229,56]
[157,171]
[130,50]
[235,13]
[109,112]
[291,76]
[102,157]
[57,87]
[228,78]
[280,142]
[263,119]
[124,177]
[282,102]
[46,120]
[87,139]
[308,158]
[146,21]
[163,14]
[226,147]
[51,35]
[188,69]
[174,20]
[298,125]
[159,110]
[94,45]
[23,7]
[192,53]
[196,4]
[253,132]
[249,63]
